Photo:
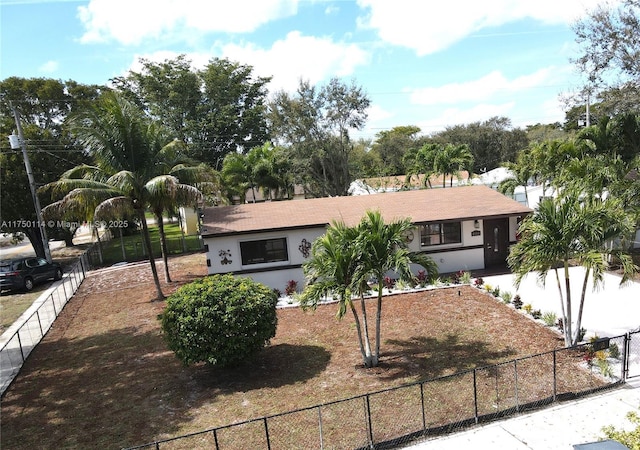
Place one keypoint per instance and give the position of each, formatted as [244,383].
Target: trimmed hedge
[220,320]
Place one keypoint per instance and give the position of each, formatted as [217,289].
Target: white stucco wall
[277,274]
[281,273]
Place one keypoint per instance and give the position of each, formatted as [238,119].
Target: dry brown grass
[104,378]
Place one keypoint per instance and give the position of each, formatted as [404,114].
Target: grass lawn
[104,378]
[14,303]
[112,250]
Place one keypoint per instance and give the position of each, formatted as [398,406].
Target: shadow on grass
[275,366]
[124,387]
[428,357]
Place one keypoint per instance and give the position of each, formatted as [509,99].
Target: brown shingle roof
[427,205]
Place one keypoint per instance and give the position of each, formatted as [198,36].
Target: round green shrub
[220,320]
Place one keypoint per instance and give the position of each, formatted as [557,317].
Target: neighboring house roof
[426,205]
[399,182]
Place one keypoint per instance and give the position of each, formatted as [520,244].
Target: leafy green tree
[345,259]
[491,142]
[44,105]
[391,147]
[314,125]
[217,110]
[567,230]
[438,159]
[421,161]
[219,320]
[544,132]
[609,54]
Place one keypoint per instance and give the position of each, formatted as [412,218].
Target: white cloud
[297,56]
[482,89]
[428,27]
[131,22]
[287,61]
[49,67]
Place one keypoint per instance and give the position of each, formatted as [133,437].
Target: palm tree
[346,258]
[131,158]
[454,159]
[331,269]
[421,161]
[383,248]
[571,229]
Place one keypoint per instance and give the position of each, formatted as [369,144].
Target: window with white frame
[264,251]
[440,233]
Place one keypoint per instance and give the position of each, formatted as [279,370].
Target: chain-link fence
[17,348]
[396,416]
[114,248]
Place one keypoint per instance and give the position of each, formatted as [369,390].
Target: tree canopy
[314,125]
[216,110]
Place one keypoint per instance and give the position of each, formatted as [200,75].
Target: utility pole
[588,101]
[32,183]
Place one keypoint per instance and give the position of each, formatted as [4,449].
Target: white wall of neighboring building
[189,219]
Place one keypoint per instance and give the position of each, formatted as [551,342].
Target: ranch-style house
[461,228]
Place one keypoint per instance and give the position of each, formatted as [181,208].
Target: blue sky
[425,63]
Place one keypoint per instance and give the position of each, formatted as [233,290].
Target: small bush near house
[549,318]
[291,288]
[422,278]
[528,308]
[536,314]
[219,320]
[478,282]
[506,297]
[517,302]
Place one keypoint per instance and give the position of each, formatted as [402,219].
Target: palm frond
[114,208]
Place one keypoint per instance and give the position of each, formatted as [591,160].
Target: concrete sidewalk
[557,427]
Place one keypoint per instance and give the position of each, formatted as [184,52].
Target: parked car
[24,273]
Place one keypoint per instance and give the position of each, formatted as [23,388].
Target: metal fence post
[475,395]
[369,424]
[555,380]
[20,345]
[515,371]
[215,438]
[625,356]
[55,313]
[64,289]
[320,427]
[266,432]
[424,416]
[39,323]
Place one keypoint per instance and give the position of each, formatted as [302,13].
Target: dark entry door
[496,242]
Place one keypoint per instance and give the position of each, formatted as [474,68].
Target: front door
[496,242]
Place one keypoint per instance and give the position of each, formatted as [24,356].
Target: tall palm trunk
[582,297]
[152,261]
[368,360]
[562,309]
[163,245]
[376,355]
[567,325]
[365,350]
